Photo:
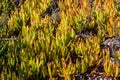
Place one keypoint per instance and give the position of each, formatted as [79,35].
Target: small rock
[111,43]
[87,33]
[53,11]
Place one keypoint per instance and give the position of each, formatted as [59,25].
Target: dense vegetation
[32,47]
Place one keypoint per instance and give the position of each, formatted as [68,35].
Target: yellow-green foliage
[39,52]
